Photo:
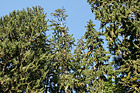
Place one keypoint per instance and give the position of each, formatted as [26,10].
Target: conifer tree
[59,77]
[92,62]
[23,51]
[120,20]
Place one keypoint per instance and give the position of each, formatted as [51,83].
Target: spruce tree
[23,51]
[59,77]
[120,20]
[93,68]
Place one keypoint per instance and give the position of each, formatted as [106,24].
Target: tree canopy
[32,62]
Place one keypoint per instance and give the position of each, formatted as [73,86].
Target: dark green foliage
[22,51]
[60,76]
[120,20]
[31,62]
[92,63]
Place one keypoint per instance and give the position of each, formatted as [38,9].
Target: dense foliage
[120,20]
[32,62]
[23,49]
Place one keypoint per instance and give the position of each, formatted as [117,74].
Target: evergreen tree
[60,76]
[93,67]
[23,51]
[120,20]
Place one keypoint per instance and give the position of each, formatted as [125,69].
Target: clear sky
[78,10]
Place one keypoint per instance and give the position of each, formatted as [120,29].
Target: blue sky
[78,10]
